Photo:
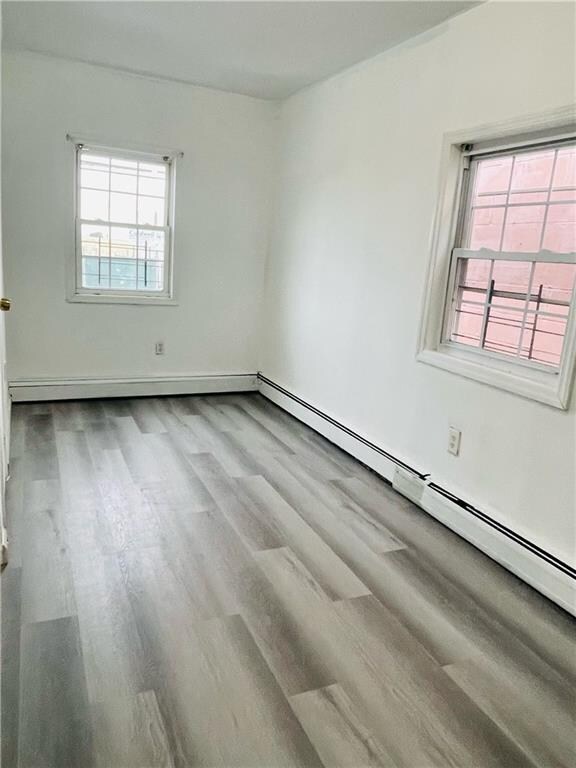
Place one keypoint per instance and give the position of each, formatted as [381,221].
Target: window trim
[550,387]
[76,293]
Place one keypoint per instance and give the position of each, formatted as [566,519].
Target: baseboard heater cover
[31,390]
[541,569]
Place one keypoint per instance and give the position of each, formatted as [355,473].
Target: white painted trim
[358,450]
[30,390]
[544,577]
[547,579]
[555,389]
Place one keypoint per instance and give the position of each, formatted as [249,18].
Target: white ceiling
[265,49]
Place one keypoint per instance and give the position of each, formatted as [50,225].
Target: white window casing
[525,377]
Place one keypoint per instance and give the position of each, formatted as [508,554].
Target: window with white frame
[123,224]
[514,265]
[508,316]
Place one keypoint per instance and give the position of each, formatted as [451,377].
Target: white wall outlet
[159,348]
[454,437]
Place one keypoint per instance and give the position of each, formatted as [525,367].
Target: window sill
[550,388]
[115,298]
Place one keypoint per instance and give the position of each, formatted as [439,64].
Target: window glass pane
[151,211]
[554,281]
[565,170]
[493,176]
[523,228]
[94,204]
[124,242]
[152,185]
[95,240]
[543,339]
[512,276]
[123,274]
[94,179]
[475,272]
[151,244]
[123,207]
[503,329]
[486,228]
[560,232]
[468,324]
[124,181]
[532,170]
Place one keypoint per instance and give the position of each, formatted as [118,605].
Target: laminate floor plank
[236,506]
[130,733]
[39,444]
[115,662]
[47,584]
[55,728]
[206,581]
[10,678]
[143,411]
[336,729]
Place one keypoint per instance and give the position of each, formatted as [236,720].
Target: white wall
[359,171]
[220,229]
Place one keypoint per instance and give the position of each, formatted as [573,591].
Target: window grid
[504,300]
[124,253]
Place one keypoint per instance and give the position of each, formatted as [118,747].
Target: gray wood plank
[55,730]
[130,733]
[337,731]
[10,677]
[47,585]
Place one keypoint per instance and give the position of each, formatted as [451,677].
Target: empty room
[287,363]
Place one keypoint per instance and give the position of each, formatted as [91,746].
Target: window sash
[144,292]
[135,156]
[485,254]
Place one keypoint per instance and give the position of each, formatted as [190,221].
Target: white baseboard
[365,452]
[501,544]
[30,390]
[531,568]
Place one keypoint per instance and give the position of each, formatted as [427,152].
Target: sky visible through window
[520,203]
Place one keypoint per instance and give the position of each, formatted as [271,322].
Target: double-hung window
[508,314]
[123,225]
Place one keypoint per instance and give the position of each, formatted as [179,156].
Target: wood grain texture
[205,581]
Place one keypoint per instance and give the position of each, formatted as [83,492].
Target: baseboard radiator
[541,569]
[34,390]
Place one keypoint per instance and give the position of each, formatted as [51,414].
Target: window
[500,306]
[123,225]
[515,267]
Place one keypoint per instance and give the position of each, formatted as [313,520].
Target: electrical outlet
[159,348]
[454,437]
